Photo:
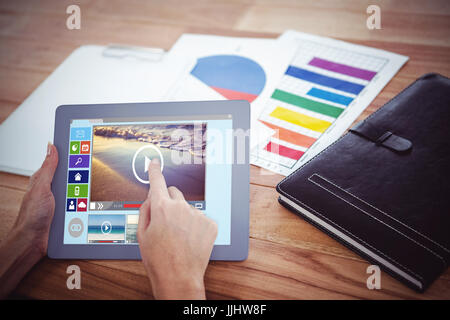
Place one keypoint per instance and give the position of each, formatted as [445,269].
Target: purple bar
[343,69]
[79,161]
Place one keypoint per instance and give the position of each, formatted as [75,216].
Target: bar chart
[320,84]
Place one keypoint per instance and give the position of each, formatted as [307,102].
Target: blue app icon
[71,205]
[77,133]
[78,176]
[79,161]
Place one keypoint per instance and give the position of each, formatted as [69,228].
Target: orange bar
[291,136]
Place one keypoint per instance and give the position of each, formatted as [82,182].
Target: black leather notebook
[383,188]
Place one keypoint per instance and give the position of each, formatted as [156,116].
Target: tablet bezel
[240,182]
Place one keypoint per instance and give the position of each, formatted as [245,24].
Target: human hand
[38,204]
[27,242]
[175,241]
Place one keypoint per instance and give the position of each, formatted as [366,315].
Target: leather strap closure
[381,137]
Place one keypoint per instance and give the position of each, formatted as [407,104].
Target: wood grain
[288,257]
[401,21]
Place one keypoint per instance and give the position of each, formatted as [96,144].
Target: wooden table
[289,258]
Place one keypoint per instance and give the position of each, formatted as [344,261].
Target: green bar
[77,190]
[308,104]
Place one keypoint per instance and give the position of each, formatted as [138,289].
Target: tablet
[101,179]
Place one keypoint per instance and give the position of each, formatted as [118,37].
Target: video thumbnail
[106,229]
[121,153]
[132,225]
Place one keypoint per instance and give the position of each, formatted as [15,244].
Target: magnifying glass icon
[79,160]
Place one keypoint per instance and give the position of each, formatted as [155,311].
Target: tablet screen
[107,178]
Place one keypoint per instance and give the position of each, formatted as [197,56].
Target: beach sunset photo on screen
[121,153]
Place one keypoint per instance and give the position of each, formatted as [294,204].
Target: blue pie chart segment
[232,76]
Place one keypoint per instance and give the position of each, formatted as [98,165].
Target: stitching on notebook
[373,248]
[353,205]
[405,225]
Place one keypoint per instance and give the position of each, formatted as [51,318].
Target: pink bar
[284,151]
[343,69]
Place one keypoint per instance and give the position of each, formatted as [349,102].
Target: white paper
[85,77]
[270,54]
[386,64]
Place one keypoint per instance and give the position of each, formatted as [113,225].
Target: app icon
[82,205]
[79,161]
[199,205]
[76,227]
[77,190]
[74,147]
[85,147]
[78,176]
[80,133]
[71,204]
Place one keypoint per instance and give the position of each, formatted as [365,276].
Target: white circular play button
[146,161]
[106,227]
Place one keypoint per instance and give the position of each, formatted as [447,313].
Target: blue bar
[330,96]
[334,83]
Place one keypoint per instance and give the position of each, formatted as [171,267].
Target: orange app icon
[85,147]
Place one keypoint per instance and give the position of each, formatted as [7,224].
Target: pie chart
[232,76]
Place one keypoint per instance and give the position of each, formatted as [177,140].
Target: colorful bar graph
[326,81]
[283,151]
[300,119]
[343,69]
[308,104]
[291,136]
[329,96]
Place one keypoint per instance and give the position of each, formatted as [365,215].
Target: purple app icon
[79,161]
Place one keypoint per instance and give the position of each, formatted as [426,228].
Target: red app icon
[85,147]
[82,205]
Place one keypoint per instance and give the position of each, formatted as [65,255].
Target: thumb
[49,165]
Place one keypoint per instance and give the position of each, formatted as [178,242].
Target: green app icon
[77,190]
[74,147]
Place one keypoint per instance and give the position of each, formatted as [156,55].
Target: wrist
[28,241]
[178,287]
[18,255]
